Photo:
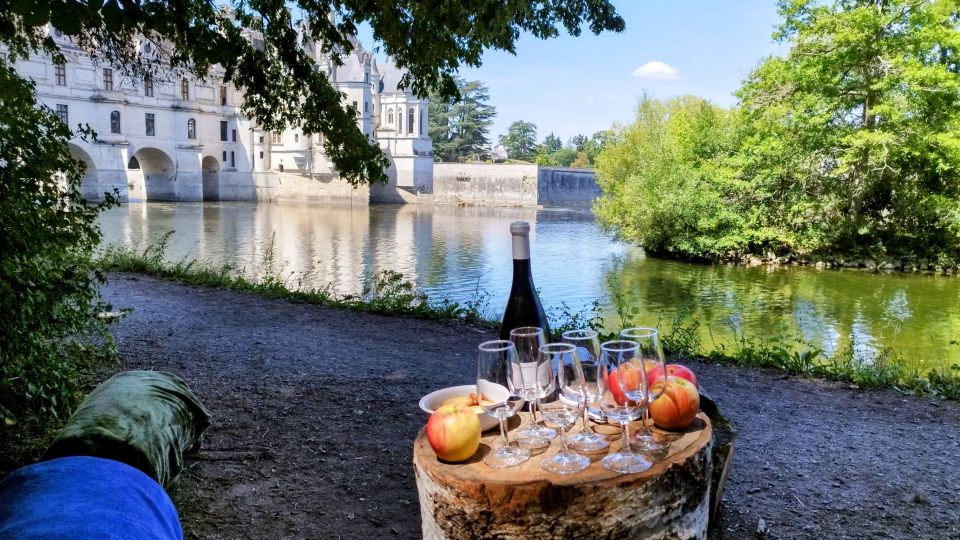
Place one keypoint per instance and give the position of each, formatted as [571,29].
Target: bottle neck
[521,270]
[521,248]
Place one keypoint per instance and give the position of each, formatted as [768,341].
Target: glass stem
[533,408]
[563,440]
[585,419]
[626,438]
[645,431]
[503,433]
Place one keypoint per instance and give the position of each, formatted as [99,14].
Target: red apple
[627,377]
[677,406]
[453,432]
[679,370]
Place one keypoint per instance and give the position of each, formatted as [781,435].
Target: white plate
[431,401]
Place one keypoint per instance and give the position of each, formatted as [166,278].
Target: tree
[48,285]
[551,143]
[48,289]
[582,161]
[666,184]
[851,140]
[577,142]
[460,128]
[520,140]
[847,146]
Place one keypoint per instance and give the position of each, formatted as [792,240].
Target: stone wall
[485,184]
[560,185]
[510,185]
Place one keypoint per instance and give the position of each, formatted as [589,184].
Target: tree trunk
[471,500]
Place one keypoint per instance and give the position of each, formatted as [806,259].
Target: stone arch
[211,178]
[158,173]
[90,188]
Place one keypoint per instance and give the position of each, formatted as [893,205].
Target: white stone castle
[185,139]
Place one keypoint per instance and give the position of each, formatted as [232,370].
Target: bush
[49,295]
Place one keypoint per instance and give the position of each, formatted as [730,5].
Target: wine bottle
[523,306]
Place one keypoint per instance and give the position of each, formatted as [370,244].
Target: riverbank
[315,410]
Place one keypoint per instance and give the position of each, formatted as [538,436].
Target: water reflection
[456,252]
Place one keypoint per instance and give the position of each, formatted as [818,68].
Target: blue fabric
[85,497]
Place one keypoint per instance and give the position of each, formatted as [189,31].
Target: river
[460,253]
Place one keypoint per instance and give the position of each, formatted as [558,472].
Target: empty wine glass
[587,353]
[650,357]
[500,398]
[566,373]
[536,382]
[622,401]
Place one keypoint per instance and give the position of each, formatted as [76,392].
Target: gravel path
[315,411]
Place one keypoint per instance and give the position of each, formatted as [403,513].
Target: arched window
[399,120]
[115,122]
[390,116]
[191,129]
[422,112]
[410,121]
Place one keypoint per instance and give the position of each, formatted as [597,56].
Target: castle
[185,139]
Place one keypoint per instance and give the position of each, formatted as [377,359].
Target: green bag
[146,419]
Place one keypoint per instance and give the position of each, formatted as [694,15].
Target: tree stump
[470,500]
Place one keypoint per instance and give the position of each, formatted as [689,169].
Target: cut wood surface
[472,500]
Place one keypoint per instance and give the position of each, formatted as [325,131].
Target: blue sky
[577,85]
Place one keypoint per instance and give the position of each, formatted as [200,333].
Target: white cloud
[656,70]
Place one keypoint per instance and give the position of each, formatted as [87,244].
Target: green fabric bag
[146,419]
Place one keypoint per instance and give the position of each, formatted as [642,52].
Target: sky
[570,85]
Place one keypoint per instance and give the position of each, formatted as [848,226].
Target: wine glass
[650,356]
[566,373]
[587,353]
[534,377]
[623,399]
[500,398]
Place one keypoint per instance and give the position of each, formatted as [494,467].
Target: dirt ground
[315,410]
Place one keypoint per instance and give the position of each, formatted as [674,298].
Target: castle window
[421,121]
[223,131]
[191,129]
[64,113]
[57,32]
[224,156]
[410,120]
[150,124]
[115,122]
[400,120]
[107,79]
[390,116]
[233,135]
[184,89]
[276,137]
[148,86]
[60,70]
[223,95]
[233,162]
[296,137]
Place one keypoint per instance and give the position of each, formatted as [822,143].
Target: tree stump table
[471,500]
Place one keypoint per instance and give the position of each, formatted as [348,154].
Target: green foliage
[551,143]
[50,328]
[666,183]
[851,140]
[277,79]
[848,146]
[520,141]
[460,128]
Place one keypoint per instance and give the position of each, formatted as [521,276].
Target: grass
[387,292]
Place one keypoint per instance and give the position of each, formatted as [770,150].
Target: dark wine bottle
[523,306]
